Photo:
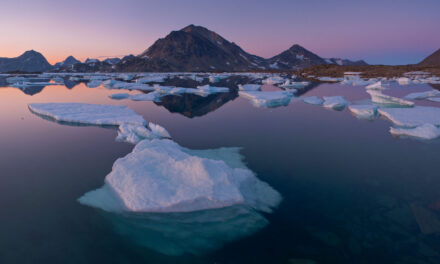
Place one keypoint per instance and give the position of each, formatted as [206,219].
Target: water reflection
[196,233]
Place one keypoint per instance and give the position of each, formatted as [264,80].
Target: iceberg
[403,80]
[88,114]
[119,96]
[268,99]
[94,83]
[207,89]
[16,79]
[434,99]
[422,95]
[273,80]
[386,100]
[153,96]
[161,176]
[368,112]
[313,100]
[136,133]
[335,102]
[151,79]
[380,85]
[425,131]
[412,117]
[249,87]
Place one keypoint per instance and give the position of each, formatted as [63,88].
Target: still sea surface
[351,192]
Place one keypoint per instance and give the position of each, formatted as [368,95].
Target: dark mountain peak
[30,54]
[432,60]
[29,61]
[194,28]
[295,57]
[69,61]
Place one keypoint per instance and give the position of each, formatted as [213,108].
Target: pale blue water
[351,192]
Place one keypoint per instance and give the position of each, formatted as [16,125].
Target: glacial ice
[386,100]
[335,102]
[161,176]
[380,85]
[422,95]
[267,99]
[249,87]
[425,131]
[412,117]
[368,112]
[313,100]
[403,80]
[135,133]
[90,114]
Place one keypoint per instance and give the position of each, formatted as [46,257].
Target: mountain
[30,61]
[296,57]
[192,48]
[112,61]
[69,61]
[345,62]
[431,60]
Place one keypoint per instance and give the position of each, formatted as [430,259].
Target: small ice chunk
[153,96]
[158,131]
[273,80]
[386,100]
[268,99]
[94,83]
[403,80]
[135,133]
[380,85]
[90,114]
[161,176]
[313,100]
[335,102]
[434,99]
[422,95]
[119,96]
[412,117]
[425,131]
[368,112]
[249,87]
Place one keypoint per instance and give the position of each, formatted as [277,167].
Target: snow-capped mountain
[69,61]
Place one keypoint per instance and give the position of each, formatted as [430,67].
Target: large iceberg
[89,114]
[412,117]
[422,95]
[161,176]
[368,112]
[386,100]
[335,102]
[268,99]
[425,131]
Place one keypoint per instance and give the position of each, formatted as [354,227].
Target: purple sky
[386,31]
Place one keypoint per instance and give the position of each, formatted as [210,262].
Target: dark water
[351,192]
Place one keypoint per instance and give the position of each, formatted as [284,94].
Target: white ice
[380,85]
[268,99]
[249,87]
[335,102]
[90,114]
[434,99]
[313,100]
[425,131]
[161,176]
[422,95]
[368,112]
[412,117]
[135,133]
[386,100]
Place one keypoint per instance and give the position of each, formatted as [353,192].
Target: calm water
[351,192]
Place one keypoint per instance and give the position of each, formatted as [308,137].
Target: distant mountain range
[192,48]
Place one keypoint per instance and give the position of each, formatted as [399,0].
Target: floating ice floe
[94,83]
[161,176]
[403,81]
[386,100]
[207,89]
[16,79]
[268,99]
[313,100]
[380,85]
[89,114]
[368,112]
[119,96]
[127,76]
[114,84]
[151,79]
[273,80]
[335,102]
[425,131]
[412,117]
[30,84]
[153,96]
[249,87]
[422,95]
[330,79]
[294,85]
[135,133]
[434,99]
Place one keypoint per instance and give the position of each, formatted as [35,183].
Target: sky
[380,32]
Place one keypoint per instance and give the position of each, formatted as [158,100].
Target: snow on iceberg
[135,133]
[386,100]
[412,117]
[368,112]
[89,114]
[380,85]
[267,99]
[335,102]
[161,176]
[425,131]
[249,87]
[422,95]
[313,100]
